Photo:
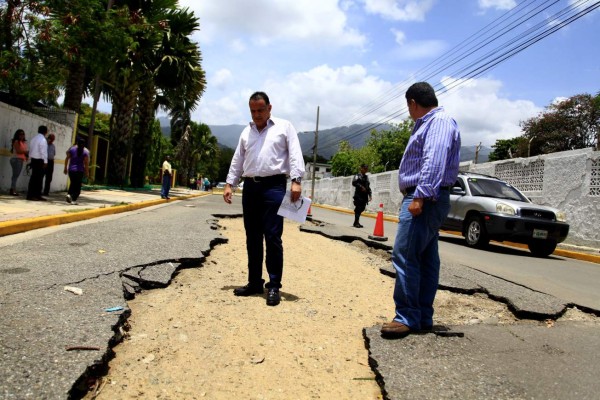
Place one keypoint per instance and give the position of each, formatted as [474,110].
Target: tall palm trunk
[74,86]
[143,140]
[123,107]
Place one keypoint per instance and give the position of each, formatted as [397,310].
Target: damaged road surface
[51,337]
[64,292]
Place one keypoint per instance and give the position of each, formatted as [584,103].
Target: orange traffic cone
[378,231]
[309,213]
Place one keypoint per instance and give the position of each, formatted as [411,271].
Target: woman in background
[77,163]
[18,148]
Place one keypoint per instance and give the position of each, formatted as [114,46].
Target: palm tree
[175,76]
[197,144]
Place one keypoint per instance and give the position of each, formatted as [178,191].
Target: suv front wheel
[475,234]
[542,248]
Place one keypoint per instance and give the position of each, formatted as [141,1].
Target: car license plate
[540,234]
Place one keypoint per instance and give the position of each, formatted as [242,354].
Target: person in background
[428,169]
[167,172]
[18,150]
[267,152]
[77,164]
[362,193]
[206,184]
[50,167]
[38,152]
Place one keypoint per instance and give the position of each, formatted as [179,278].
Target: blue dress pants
[417,262]
[166,185]
[260,202]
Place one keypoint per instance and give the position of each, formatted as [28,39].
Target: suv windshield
[493,188]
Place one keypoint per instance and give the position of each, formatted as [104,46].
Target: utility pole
[529,146]
[314,169]
[477,148]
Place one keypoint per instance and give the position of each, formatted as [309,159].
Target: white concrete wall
[568,180]
[11,119]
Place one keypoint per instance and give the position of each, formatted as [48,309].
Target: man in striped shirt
[428,169]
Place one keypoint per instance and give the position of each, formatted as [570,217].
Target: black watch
[297,180]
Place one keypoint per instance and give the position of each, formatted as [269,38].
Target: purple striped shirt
[432,155]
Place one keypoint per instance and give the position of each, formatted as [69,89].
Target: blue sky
[355,58]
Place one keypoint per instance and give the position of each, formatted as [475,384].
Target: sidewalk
[20,215]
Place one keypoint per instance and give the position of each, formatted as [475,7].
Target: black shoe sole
[242,292]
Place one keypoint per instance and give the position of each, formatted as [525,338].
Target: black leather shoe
[248,290]
[357,225]
[273,298]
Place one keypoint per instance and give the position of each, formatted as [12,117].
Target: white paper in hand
[296,211]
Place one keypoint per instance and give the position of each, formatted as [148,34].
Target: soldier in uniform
[362,193]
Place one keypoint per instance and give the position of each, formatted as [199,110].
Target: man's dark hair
[43,129]
[423,94]
[260,95]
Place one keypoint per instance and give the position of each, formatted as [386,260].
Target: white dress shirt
[273,151]
[38,148]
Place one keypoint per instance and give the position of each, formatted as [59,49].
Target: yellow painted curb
[27,224]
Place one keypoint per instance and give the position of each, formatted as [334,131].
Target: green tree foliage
[197,147]
[102,124]
[390,144]
[571,124]
[25,35]
[160,146]
[507,148]
[383,151]
[342,162]
[225,156]
[567,125]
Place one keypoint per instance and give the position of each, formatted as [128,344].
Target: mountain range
[329,139]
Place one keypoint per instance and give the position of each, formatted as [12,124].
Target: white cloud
[221,79]
[340,93]
[421,49]
[483,115]
[267,21]
[497,4]
[399,10]
[399,36]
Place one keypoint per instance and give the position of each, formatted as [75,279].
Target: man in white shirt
[38,154]
[267,152]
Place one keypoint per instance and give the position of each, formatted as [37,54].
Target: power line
[501,53]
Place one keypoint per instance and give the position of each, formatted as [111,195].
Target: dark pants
[48,177]
[166,185]
[34,191]
[75,186]
[260,202]
[359,207]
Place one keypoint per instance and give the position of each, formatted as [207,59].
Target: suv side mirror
[457,190]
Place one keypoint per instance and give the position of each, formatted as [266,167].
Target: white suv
[483,207]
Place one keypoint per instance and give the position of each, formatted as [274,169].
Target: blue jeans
[417,262]
[166,185]
[260,202]
[17,167]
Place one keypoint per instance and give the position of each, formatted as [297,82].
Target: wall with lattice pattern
[595,178]
[527,177]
